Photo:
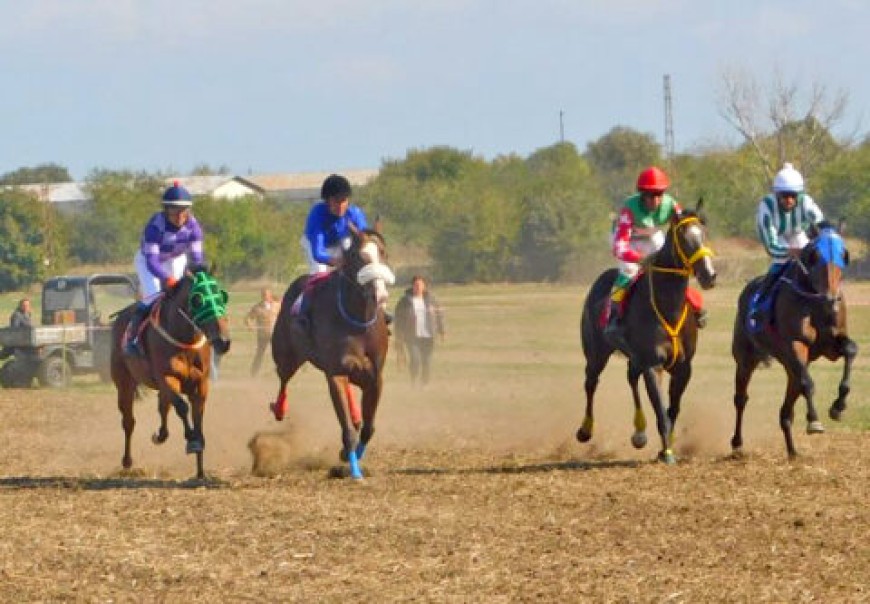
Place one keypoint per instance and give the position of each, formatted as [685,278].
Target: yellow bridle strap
[673,332]
[701,252]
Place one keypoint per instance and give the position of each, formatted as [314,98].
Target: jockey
[782,221]
[329,223]
[328,231]
[638,234]
[167,240]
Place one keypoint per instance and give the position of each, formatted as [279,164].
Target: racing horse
[660,330]
[807,321]
[186,324]
[345,337]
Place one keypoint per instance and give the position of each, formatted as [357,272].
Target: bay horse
[186,324]
[346,338]
[660,330]
[808,321]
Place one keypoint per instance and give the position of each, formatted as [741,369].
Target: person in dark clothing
[418,319]
[21,316]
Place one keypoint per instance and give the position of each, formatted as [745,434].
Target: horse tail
[599,291]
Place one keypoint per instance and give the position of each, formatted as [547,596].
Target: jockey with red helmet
[638,234]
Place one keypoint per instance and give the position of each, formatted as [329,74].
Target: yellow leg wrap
[639,420]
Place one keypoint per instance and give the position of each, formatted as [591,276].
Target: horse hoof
[195,446]
[638,440]
[815,427]
[667,457]
[583,435]
[159,439]
[835,414]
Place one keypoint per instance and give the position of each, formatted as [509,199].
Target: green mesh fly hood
[207,299]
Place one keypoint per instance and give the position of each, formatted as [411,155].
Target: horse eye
[846,257]
[225,296]
[196,300]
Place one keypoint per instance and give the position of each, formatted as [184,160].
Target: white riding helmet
[788,180]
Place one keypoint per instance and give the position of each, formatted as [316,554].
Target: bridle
[685,270]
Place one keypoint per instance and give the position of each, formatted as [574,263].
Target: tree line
[543,217]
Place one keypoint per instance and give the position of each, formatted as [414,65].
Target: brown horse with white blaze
[187,324]
[346,338]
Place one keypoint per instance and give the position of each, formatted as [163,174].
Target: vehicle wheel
[55,372]
[16,374]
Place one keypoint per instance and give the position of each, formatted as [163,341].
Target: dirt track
[477,492]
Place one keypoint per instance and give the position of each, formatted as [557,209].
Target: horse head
[205,303]
[366,260]
[823,263]
[686,245]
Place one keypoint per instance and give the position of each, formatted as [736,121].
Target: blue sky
[287,85]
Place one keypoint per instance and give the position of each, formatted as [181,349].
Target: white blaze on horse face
[371,252]
[375,272]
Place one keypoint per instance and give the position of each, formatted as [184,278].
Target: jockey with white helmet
[783,217]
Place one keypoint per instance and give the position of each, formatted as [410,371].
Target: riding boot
[139,314]
[757,312]
[614,324]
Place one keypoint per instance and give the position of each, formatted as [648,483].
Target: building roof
[274,183]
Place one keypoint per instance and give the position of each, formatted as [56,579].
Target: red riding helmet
[653,180]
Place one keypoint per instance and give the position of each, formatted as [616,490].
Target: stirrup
[132,349]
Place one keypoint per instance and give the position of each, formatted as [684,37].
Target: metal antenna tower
[669,120]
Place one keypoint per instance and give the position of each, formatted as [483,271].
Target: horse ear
[700,205]
[378,223]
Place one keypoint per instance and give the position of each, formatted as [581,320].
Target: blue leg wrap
[355,471]
[360,451]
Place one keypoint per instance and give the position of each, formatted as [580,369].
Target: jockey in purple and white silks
[170,239]
[782,221]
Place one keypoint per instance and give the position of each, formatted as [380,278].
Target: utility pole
[561,126]
[669,121]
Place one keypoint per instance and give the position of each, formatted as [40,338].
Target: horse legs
[126,393]
[370,401]
[652,377]
[680,377]
[638,439]
[849,349]
[159,437]
[286,364]
[745,368]
[196,442]
[338,393]
[786,412]
[595,364]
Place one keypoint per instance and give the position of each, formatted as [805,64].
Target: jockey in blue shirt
[328,227]
[783,218]
[169,240]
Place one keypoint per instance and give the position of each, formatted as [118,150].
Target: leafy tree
[618,157]
[26,251]
[41,174]
[122,202]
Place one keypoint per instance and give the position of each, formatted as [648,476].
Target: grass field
[478,490]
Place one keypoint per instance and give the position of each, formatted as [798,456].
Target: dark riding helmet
[335,185]
[177,196]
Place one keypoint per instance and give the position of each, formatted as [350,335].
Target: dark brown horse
[808,321]
[346,338]
[185,325]
[660,329]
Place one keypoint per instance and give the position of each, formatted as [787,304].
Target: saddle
[311,285]
[694,298]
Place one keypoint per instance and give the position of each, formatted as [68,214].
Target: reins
[343,311]
[685,271]
[155,323]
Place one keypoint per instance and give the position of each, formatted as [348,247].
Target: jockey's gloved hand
[168,283]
